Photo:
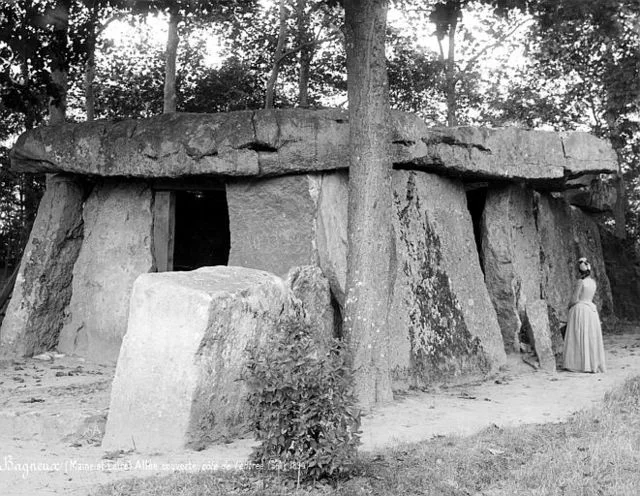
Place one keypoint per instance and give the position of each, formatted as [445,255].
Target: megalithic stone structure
[42,291]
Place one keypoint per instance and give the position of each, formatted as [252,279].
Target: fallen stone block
[177,381]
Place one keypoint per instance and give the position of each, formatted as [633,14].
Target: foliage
[416,78]
[19,197]
[302,404]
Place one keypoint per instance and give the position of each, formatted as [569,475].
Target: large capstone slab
[281,142]
[115,251]
[177,379]
[43,287]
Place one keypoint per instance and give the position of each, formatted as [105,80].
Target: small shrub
[302,405]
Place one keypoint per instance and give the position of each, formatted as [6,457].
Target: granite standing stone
[537,318]
[510,249]
[43,286]
[442,323]
[309,285]
[272,222]
[115,251]
[331,231]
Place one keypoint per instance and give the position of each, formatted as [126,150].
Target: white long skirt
[583,347]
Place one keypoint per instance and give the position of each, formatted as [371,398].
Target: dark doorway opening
[476,200]
[201,229]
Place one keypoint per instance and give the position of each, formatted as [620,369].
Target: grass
[596,452]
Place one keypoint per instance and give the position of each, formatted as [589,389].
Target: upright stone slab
[311,288]
[510,249]
[331,231]
[43,287]
[116,250]
[442,323]
[557,262]
[272,222]
[531,242]
[537,319]
[586,237]
[177,380]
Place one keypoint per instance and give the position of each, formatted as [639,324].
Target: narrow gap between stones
[476,199]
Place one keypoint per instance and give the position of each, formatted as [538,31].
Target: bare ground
[52,416]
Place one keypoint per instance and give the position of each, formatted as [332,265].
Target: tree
[25,91]
[187,11]
[584,73]
[370,201]
[91,19]
[278,56]
[57,16]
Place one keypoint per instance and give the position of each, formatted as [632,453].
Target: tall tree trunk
[90,65]
[170,64]
[306,54]
[452,97]
[620,208]
[277,58]
[89,77]
[369,225]
[59,62]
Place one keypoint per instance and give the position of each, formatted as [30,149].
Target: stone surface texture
[309,285]
[331,231]
[510,251]
[586,238]
[280,142]
[537,318]
[442,323]
[273,222]
[115,251]
[43,286]
[596,194]
[557,262]
[177,380]
[531,243]
[314,224]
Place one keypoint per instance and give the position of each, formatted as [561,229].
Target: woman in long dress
[583,348]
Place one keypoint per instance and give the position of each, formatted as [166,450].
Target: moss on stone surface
[441,346]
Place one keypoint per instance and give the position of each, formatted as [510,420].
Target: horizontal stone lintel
[277,142]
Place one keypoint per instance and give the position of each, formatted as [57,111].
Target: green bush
[302,405]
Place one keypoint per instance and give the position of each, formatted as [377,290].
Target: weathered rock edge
[278,142]
[178,380]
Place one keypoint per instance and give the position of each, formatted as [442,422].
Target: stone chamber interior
[201,229]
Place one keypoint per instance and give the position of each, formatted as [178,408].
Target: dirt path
[52,414]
